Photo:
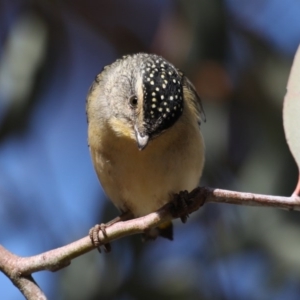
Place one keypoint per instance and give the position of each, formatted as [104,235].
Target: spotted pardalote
[144,134]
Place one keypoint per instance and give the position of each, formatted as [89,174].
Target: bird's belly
[143,181]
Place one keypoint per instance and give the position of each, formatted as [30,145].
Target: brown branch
[9,265]
[249,199]
[19,269]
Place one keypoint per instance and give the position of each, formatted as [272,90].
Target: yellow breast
[143,181]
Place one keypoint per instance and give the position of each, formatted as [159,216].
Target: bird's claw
[179,206]
[94,236]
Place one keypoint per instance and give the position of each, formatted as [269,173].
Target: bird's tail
[164,230]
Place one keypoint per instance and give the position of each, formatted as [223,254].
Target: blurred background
[238,54]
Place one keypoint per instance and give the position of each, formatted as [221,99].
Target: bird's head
[143,96]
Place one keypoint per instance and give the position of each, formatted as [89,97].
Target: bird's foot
[94,236]
[94,231]
[179,206]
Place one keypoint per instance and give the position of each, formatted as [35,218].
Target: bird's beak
[142,138]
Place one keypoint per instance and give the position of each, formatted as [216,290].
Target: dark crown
[163,94]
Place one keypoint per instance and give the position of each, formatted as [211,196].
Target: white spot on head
[168,109]
[153,105]
[160,109]
[174,80]
[153,94]
[153,99]
[162,97]
[151,75]
[164,115]
[164,86]
[157,89]
[152,82]
[165,103]
[171,98]
[151,112]
[162,76]
[165,81]
[176,96]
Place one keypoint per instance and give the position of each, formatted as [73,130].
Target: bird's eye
[133,101]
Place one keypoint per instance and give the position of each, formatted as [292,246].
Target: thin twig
[249,199]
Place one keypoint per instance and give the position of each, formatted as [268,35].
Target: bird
[144,135]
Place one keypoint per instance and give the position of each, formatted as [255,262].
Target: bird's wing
[194,98]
